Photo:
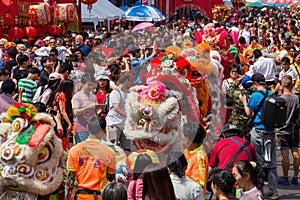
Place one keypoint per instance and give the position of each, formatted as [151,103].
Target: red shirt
[223,151]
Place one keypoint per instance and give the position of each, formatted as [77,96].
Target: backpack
[39,94]
[106,101]
[274,111]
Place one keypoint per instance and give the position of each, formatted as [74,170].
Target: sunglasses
[234,71]
[52,55]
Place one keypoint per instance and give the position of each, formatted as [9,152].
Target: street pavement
[286,192]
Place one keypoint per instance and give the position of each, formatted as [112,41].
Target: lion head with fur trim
[30,154]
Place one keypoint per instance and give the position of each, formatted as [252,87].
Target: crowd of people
[82,80]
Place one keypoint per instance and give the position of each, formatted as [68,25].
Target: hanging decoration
[66,13]
[238,3]
[54,30]
[30,32]
[221,12]
[15,32]
[89,4]
[39,14]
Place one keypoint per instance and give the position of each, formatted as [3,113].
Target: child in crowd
[28,86]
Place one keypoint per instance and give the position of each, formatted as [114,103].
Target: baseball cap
[54,76]
[246,81]
[102,75]
[259,78]
[230,128]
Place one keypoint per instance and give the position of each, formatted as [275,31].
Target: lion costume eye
[19,124]
[45,153]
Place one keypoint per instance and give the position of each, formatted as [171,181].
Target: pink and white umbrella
[142,26]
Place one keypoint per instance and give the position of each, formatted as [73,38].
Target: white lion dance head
[30,154]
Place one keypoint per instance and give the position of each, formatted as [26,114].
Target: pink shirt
[81,100]
[135,189]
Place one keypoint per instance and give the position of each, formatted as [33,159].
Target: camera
[52,112]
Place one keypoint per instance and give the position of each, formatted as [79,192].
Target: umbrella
[255,4]
[142,26]
[144,13]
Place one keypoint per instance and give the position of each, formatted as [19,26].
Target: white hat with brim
[43,51]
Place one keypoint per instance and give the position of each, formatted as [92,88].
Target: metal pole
[167,10]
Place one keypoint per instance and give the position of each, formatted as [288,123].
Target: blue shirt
[85,50]
[136,65]
[253,103]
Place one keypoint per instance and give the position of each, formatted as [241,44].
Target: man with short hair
[90,163]
[262,138]
[192,141]
[21,70]
[116,115]
[224,150]
[264,66]
[28,85]
[79,43]
[289,134]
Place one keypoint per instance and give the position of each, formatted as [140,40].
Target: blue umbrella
[144,13]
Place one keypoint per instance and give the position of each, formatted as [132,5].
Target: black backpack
[274,111]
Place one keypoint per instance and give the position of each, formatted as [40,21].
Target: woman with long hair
[249,178]
[60,101]
[185,188]
[157,183]
[135,187]
[222,182]
[42,95]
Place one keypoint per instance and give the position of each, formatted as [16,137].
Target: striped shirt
[29,87]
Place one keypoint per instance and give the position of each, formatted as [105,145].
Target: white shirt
[265,66]
[290,72]
[246,34]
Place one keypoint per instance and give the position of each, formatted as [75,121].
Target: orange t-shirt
[197,168]
[91,160]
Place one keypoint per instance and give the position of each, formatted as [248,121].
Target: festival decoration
[238,3]
[293,7]
[88,2]
[66,13]
[39,14]
[221,12]
[8,20]
[30,32]
[15,32]
[54,30]
[30,154]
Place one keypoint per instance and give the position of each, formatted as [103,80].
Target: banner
[280,1]
[203,6]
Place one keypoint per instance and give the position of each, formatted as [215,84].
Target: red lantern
[6,36]
[15,32]
[8,20]
[64,1]
[66,12]
[117,22]
[123,21]
[112,22]
[30,32]
[53,29]
[39,14]
[89,2]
